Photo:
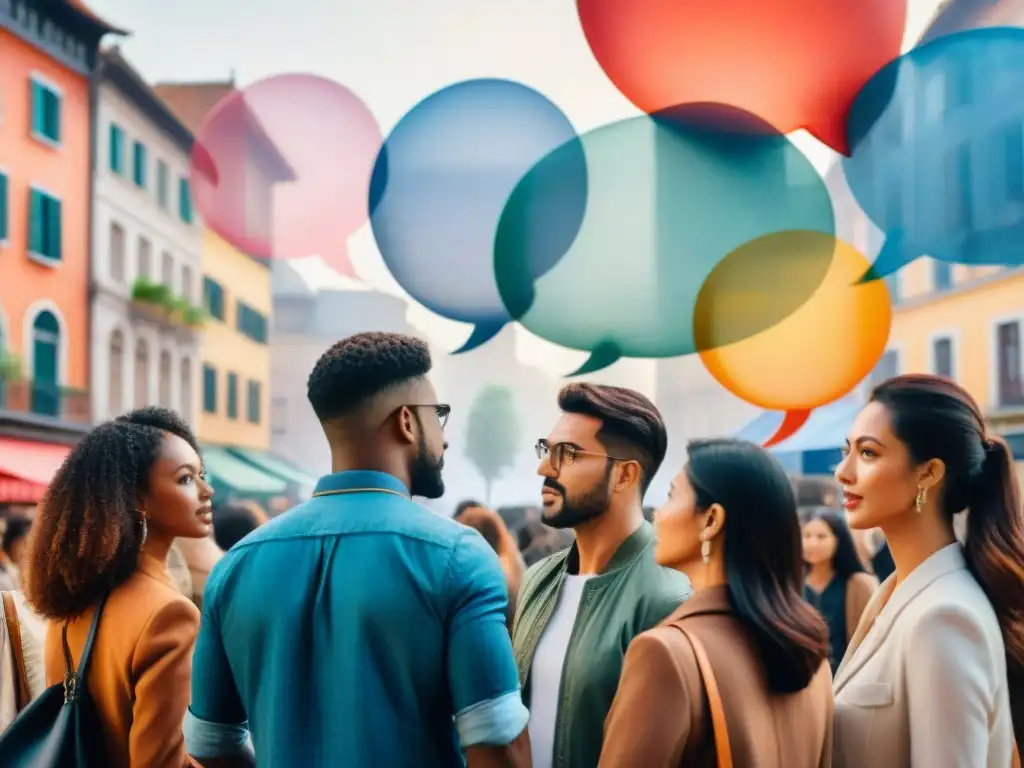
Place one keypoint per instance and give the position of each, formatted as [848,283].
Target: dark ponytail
[937,419]
[995,554]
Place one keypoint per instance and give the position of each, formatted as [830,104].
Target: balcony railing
[46,399]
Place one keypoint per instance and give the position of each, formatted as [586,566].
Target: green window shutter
[55,233]
[232,396]
[209,389]
[4,234]
[139,164]
[115,148]
[38,109]
[184,201]
[254,402]
[53,121]
[35,222]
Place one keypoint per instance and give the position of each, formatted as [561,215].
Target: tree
[492,434]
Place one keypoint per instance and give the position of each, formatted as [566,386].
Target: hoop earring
[919,501]
[705,550]
[145,530]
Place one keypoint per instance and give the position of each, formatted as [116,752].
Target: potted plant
[194,317]
[155,299]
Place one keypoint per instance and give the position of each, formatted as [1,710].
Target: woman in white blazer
[934,671]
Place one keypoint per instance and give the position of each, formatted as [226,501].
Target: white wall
[136,210]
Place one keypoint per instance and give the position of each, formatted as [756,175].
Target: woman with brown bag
[738,675]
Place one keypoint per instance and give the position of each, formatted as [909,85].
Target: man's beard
[582,509]
[425,478]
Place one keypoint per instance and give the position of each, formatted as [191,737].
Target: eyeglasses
[443,411]
[561,454]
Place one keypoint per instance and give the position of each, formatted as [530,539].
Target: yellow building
[235,350]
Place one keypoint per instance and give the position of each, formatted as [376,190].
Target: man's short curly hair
[86,536]
[360,366]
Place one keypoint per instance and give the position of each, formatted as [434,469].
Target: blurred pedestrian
[489,524]
[746,640]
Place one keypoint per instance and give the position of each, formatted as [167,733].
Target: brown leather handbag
[22,695]
[718,726]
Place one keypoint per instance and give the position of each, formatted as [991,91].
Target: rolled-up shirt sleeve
[482,672]
[215,725]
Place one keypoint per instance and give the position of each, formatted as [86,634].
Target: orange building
[47,50]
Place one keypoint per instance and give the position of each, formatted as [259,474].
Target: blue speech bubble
[669,197]
[451,163]
[937,152]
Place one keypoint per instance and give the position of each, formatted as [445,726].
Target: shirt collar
[360,479]
[624,555]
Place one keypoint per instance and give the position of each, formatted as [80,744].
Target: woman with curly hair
[100,541]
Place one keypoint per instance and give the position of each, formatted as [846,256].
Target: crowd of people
[360,629]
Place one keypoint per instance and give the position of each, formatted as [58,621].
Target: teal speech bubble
[669,197]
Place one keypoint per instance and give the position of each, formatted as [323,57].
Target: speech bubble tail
[482,333]
[832,135]
[791,423]
[889,260]
[601,356]
[339,261]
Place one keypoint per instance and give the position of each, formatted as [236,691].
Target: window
[1013,160]
[209,389]
[46,109]
[141,374]
[232,396]
[253,402]
[139,164]
[279,416]
[957,188]
[45,226]
[888,366]
[942,357]
[116,149]
[115,402]
[167,269]
[1010,363]
[213,298]
[942,275]
[184,201]
[251,323]
[186,388]
[186,282]
[163,184]
[145,259]
[4,225]
[117,248]
[45,364]
[164,381]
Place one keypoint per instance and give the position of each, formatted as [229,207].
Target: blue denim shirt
[358,629]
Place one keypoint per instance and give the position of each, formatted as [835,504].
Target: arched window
[45,364]
[186,389]
[141,374]
[115,406]
[164,380]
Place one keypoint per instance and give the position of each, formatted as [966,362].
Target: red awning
[26,468]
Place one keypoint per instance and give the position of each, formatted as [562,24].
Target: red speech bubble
[793,63]
[281,169]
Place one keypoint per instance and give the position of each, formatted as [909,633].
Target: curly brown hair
[86,536]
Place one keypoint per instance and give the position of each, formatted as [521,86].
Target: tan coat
[660,716]
[859,589]
[140,669]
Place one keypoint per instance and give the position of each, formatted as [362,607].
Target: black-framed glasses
[443,410]
[564,454]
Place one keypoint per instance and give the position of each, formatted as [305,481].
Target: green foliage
[11,368]
[493,434]
[178,309]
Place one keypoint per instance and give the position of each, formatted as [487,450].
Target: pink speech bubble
[281,169]
[793,63]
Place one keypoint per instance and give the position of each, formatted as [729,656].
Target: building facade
[48,50]
[147,251]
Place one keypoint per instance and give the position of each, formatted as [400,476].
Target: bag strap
[74,677]
[721,732]
[23,695]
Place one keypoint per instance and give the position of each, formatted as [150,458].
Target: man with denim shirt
[360,629]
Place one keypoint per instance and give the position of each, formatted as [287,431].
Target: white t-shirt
[546,670]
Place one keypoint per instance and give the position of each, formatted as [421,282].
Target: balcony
[156,304]
[44,401]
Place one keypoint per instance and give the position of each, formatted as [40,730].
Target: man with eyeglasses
[579,608]
[360,629]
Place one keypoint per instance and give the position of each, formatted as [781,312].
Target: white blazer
[923,683]
[33,632]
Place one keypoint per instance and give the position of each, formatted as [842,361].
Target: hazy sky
[393,53]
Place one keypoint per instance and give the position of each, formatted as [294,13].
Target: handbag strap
[23,695]
[73,678]
[721,732]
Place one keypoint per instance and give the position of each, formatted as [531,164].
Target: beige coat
[660,717]
[923,683]
[33,631]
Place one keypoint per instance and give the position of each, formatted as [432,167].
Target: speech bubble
[280,169]
[817,354]
[668,198]
[936,139]
[794,63]
[452,162]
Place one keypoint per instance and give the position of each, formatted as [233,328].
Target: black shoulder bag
[60,729]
